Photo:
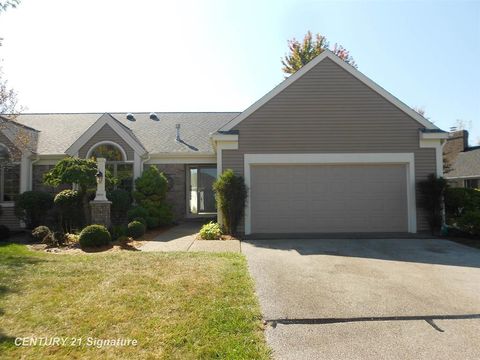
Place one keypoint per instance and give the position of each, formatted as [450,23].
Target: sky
[206,55]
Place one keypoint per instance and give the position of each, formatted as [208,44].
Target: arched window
[107,151]
[117,164]
[9,176]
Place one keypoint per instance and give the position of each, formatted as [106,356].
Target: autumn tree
[301,53]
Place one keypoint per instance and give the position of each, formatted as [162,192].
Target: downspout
[30,182]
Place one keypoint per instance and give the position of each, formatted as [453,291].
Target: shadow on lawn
[12,263]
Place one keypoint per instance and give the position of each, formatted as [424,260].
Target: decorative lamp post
[100,206]
[101,194]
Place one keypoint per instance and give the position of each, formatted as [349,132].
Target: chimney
[177,126]
[457,142]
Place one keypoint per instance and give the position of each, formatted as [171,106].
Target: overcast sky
[115,55]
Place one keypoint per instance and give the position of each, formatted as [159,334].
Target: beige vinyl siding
[106,133]
[328,110]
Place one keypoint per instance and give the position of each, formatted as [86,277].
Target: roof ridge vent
[154,116]
[130,117]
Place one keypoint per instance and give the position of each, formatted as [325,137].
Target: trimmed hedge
[94,236]
[32,207]
[136,229]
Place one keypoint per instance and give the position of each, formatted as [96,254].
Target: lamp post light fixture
[99,177]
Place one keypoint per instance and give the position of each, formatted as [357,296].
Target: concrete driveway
[368,298]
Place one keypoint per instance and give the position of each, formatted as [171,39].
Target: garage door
[328,198]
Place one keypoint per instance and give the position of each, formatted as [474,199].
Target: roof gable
[106,119]
[305,69]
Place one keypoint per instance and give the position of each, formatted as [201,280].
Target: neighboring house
[327,150]
[462,162]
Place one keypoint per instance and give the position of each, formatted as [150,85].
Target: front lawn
[175,305]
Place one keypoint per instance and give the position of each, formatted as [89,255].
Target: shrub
[71,239]
[231,193]
[137,212]
[118,231]
[40,233]
[94,236]
[150,195]
[470,222]
[32,207]
[121,203]
[4,232]
[142,220]
[460,200]
[431,200]
[135,229]
[211,231]
[69,204]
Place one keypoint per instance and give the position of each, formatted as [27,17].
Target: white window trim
[348,158]
[108,142]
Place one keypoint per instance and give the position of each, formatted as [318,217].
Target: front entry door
[202,198]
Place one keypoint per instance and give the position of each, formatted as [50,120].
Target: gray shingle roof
[466,163]
[59,131]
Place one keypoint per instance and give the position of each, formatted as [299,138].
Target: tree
[301,53]
[4,5]
[72,170]
[231,193]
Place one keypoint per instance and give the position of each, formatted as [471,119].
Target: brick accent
[100,212]
[176,193]
[456,143]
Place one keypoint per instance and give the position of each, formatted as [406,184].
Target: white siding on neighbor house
[328,110]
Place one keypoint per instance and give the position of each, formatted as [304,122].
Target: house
[327,150]
[462,161]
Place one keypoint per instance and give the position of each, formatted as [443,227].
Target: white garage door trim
[348,158]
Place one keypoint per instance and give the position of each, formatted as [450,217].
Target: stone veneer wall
[176,193]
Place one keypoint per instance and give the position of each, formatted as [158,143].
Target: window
[471,183]
[9,176]
[116,164]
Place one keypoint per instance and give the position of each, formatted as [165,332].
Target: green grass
[176,305]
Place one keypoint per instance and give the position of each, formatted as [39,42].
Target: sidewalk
[182,238]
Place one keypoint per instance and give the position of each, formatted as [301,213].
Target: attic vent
[130,117]
[154,116]
[177,126]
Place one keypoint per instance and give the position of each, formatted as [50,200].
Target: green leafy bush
[469,222]
[431,200]
[211,231]
[460,200]
[32,207]
[94,236]
[136,229]
[4,232]
[150,193]
[40,233]
[231,193]
[121,203]
[138,212]
[69,205]
[118,231]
